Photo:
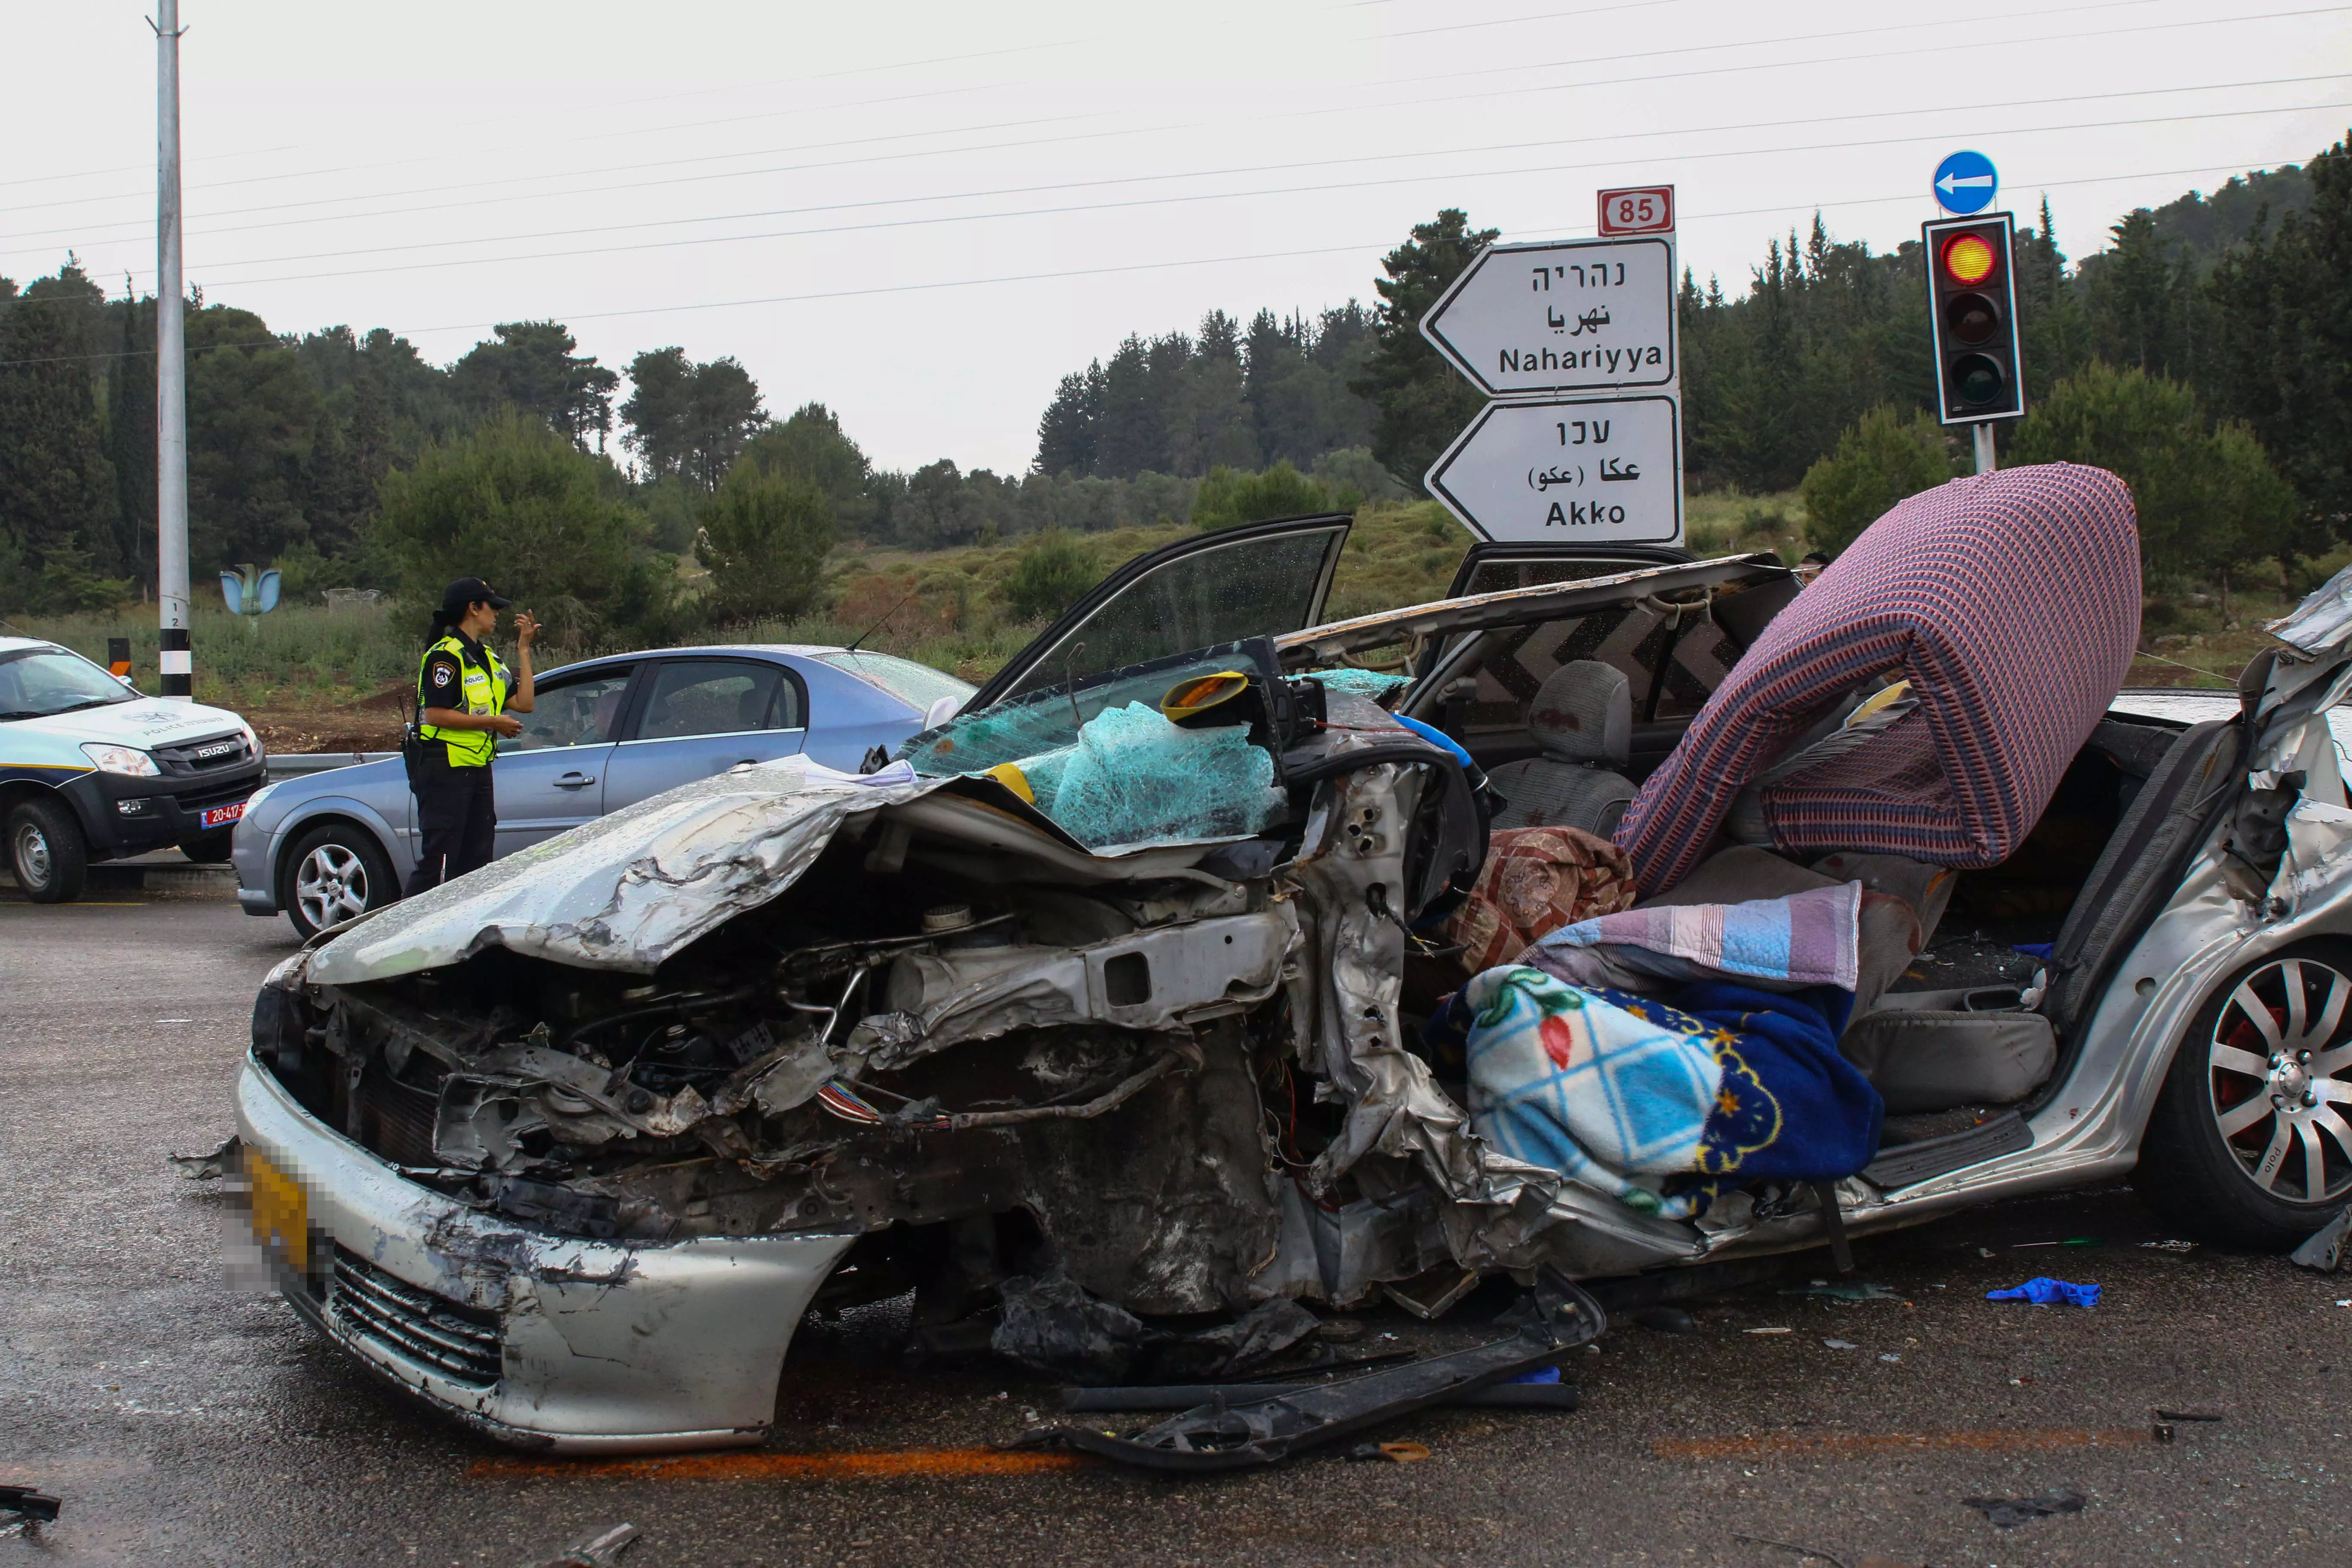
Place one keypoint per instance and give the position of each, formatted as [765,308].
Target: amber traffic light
[1972,313]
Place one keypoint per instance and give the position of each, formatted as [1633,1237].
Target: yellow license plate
[281,1211]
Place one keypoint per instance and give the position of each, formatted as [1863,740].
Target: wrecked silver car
[1118,988]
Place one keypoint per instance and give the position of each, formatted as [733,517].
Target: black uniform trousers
[456,819]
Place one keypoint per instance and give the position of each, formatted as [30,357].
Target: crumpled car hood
[628,891]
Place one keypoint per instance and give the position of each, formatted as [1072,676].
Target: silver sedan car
[606,733]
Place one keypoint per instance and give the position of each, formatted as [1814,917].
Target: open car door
[1263,580]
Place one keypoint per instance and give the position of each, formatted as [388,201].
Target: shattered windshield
[1043,721]
[39,683]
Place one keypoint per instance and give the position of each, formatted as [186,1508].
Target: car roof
[1509,607]
[17,645]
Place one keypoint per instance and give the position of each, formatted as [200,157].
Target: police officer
[464,697]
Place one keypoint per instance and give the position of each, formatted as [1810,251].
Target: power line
[1580,225]
[1157,201]
[617,103]
[1347,109]
[1278,168]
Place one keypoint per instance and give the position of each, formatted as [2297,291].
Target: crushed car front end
[535,1338]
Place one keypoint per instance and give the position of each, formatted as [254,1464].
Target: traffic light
[1972,313]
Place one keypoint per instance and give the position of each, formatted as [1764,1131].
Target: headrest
[1584,713]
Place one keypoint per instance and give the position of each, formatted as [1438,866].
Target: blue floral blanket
[1662,1106]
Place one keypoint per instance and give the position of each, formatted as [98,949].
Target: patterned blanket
[1661,1107]
[1806,939]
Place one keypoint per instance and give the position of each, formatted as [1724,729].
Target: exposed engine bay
[1176,1076]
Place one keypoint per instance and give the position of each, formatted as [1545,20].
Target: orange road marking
[1774,1444]
[760,1466]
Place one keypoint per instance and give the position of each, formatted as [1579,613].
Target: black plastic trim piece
[1910,1162]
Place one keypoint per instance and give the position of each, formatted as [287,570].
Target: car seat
[1582,718]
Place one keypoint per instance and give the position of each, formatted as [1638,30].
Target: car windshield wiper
[90,703]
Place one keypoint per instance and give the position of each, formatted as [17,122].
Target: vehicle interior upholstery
[1568,718]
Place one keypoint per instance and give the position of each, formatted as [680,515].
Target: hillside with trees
[2205,352]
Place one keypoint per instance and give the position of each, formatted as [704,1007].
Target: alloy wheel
[2281,1061]
[331,886]
[32,856]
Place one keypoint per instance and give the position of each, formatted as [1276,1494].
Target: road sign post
[1575,343]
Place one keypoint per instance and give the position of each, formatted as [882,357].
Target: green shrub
[766,539]
[1884,459]
[525,509]
[1230,497]
[2206,499]
[1049,576]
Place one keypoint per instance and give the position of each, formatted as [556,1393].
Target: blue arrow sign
[1965,183]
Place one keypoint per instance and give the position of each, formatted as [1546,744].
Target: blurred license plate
[281,1211]
[220,816]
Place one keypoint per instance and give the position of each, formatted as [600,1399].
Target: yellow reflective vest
[486,692]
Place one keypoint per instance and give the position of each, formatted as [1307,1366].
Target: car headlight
[253,802]
[120,759]
[252,740]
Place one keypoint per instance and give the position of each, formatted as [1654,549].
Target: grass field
[315,678]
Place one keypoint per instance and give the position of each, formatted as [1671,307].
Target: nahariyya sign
[1591,471]
[1579,315]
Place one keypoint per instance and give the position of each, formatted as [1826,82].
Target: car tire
[2252,1116]
[211,848]
[47,851]
[334,873]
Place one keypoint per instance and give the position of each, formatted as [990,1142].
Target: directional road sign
[1577,470]
[1581,315]
[1966,183]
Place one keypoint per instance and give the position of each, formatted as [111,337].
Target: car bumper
[162,811]
[544,1341]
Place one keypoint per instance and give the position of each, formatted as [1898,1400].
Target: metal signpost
[170,370]
[1575,342]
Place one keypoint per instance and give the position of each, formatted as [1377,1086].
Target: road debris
[2178,1246]
[1770,1331]
[209,1167]
[2008,1513]
[598,1551]
[2044,1291]
[1056,1326]
[1811,1551]
[1665,1319]
[1845,1290]
[1232,1433]
[1840,1345]
[1515,1396]
[1890,1357]
[31,1509]
[2325,1248]
[1396,1453]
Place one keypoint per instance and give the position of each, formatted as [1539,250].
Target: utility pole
[1984,448]
[176,661]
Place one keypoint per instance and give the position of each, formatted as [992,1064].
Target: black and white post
[177,662]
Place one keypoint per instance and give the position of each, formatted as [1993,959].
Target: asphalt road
[183,1421]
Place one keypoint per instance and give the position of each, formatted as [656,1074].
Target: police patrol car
[90,770]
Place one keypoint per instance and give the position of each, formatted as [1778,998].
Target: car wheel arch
[294,829]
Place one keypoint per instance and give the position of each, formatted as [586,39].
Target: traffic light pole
[1984,448]
[175,660]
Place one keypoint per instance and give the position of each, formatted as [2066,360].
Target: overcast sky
[924,215]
